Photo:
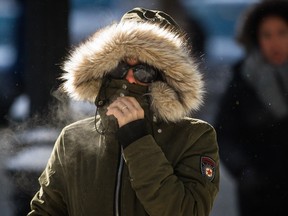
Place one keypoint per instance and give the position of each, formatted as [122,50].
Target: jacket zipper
[118,186]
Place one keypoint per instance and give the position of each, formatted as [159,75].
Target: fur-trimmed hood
[151,44]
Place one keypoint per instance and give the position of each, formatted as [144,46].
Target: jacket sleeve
[173,191]
[49,200]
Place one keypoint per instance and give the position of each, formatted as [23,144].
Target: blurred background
[35,37]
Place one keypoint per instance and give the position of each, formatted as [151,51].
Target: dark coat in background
[253,142]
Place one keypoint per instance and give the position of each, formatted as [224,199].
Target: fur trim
[159,47]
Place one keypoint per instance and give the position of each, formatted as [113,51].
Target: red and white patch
[208,167]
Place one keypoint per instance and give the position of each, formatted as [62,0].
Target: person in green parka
[141,154]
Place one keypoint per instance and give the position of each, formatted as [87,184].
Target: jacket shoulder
[199,131]
[86,124]
[80,132]
[194,123]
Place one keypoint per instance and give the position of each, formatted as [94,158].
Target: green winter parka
[171,171]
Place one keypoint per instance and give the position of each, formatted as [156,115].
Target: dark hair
[248,34]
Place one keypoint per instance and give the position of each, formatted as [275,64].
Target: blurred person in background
[252,124]
[141,155]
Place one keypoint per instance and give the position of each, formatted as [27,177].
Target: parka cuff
[131,132]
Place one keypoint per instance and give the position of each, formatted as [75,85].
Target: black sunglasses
[142,72]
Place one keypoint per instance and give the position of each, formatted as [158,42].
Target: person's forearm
[157,187]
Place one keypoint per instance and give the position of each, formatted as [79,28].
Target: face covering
[110,90]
